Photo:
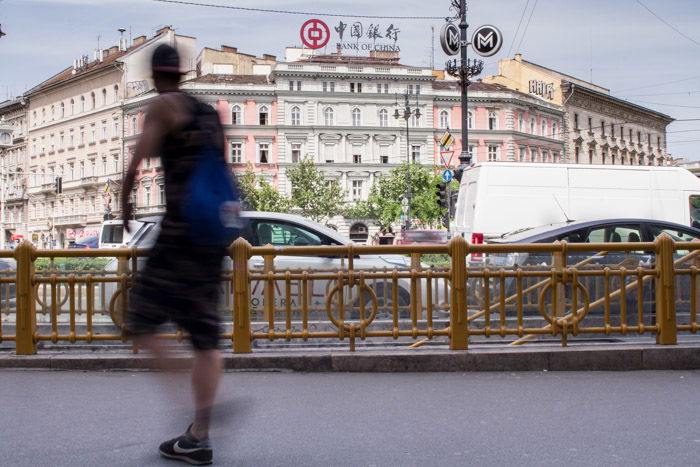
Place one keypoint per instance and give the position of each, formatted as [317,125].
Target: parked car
[430,237]
[283,230]
[597,231]
[86,243]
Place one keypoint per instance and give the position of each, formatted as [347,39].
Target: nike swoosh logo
[180,450]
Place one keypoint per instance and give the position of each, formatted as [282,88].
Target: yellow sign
[447,139]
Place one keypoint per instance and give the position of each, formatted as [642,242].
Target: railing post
[665,292]
[417,299]
[459,326]
[25,326]
[241,297]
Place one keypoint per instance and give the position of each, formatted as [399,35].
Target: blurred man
[180,281]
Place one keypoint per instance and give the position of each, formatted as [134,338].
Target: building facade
[598,128]
[13,167]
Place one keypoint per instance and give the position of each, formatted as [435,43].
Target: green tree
[259,195]
[384,201]
[316,196]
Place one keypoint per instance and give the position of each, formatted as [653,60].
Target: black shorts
[180,283]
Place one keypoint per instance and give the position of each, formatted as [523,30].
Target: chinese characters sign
[315,34]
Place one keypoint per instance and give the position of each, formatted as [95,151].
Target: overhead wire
[527,25]
[517,30]
[304,13]
[668,24]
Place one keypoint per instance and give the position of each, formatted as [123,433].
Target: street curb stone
[599,358]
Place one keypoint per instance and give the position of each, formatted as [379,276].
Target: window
[383,88]
[493,153]
[415,153]
[328,116]
[614,234]
[133,125]
[115,128]
[414,120]
[71,139]
[296,116]
[554,129]
[521,123]
[263,115]
[104,97]
[543,127]
[414,89]
[470,120]
[622,133]
[81,137]
[115,160]
[296,152]
[630,135]
[590,156]
[383,157]
[236,153]
[104,165]
[61,141]
[532,125]
[533,155]
[328,86]
[62,110]
[383,118]
[612,130]
[282,234]
[590,124]
[147,195]
[355,87]
[577,154]
[521,154]
[93,100]
[236,115]
[71,108]
[639,137]
[575,121]
[81,171]
[658,142]
[93,133]
[493,121]
[444,119]
[104,130]
[602,127]
[293,84]
[356,190]
[82,103]
[116,93]
[264,153]
[356,117]
[161,194]
[357,159]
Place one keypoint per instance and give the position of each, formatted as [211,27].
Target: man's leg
[206,371]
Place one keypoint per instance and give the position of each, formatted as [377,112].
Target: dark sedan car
[598,231]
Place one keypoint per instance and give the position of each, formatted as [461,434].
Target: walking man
[180,281]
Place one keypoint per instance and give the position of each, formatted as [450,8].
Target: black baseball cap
[165,59]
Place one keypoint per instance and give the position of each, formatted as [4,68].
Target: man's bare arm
[159,121]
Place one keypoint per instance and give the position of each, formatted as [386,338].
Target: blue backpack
[212,201]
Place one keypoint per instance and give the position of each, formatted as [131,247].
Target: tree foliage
[259,195]
[314,195]
[384,201]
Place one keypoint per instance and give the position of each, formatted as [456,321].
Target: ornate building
[13,150]
[598,127]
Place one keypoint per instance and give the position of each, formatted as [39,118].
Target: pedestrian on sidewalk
[180,281]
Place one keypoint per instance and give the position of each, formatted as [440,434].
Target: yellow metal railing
[564,290]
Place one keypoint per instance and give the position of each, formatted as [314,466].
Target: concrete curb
[599,358]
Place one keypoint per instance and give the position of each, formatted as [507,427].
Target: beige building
[229,61]
[13,148]
[598,127]
[75,144]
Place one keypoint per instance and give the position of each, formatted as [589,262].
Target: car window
[677,235]
[577,236]
[284,234]
[615,234]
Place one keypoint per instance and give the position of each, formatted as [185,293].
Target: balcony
[158,209]
[70,220]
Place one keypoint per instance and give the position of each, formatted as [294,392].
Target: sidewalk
[618,357]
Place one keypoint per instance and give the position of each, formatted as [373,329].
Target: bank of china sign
[356,36]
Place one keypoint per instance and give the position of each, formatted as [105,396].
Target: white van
[112,234]
[499,197]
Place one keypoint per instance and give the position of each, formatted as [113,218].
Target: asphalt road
[52,418]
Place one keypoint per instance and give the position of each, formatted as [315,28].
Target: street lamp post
[408,112]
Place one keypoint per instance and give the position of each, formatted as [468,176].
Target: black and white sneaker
[186,448]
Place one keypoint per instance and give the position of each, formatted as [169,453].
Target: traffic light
[58,185]
[442,194]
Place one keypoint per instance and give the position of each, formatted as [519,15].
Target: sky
[645,51]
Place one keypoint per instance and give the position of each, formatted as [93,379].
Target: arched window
[296,116]
[470,120]
[62,111]
[72,107]
[533,125]
[134,125]
[328,116]
[116,93]
[554,129]
[53,112]
[543,124]
[383,118]
[82,103]
[521,123]
[356,117]
[93,100]
[104,97]
[359,233]
[263,115]
[444,119]
[493,121]
[236,115]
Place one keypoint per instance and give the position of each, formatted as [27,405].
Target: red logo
[315,34]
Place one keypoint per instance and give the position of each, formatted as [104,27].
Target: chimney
[122,40]
[112,50]
[139,40]
[518,57]
[339,51]
[228,48]
[272,58]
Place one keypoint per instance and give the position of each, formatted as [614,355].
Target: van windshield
[112,233]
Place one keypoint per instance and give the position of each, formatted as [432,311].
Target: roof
[354,60]
[229,79]
[475,86]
